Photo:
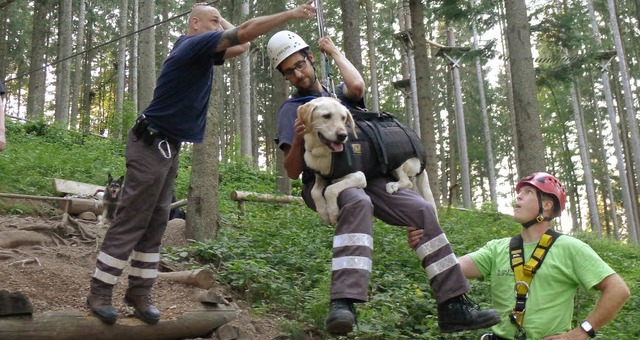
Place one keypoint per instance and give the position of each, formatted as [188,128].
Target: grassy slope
[278,257]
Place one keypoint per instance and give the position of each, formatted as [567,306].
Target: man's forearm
[614,294]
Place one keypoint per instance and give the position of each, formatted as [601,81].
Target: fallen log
[257,197]
[201,278]
[242,196]
[63,325]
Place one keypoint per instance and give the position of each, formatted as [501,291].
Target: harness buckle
[540,218]
[521,283]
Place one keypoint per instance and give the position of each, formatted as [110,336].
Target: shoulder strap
[524,272]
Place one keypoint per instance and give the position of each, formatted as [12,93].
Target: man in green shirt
[567,265]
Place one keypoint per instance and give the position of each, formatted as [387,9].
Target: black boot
[342,316]
[100,306]
[144,308]
[460,314]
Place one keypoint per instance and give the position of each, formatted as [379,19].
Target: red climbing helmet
[547,184]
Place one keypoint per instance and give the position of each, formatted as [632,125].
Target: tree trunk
[76,87]
[202,219]
[351,32]
[245,102]
[491,171]
[425,99]
[530,145]
[133,58]
[461,128]
[87,92]
[373,66]
[120,72]
[632,123]
[63,69]
[71,325]
[147,50]
[37,59]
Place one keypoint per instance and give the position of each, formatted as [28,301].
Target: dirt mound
[51,261]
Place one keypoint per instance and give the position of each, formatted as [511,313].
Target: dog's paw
[392,187]
[324,215]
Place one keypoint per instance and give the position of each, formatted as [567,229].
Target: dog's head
[113,187]
[327,119]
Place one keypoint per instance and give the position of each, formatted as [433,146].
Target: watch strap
[586,326]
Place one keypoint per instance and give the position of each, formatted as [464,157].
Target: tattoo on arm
[228,39]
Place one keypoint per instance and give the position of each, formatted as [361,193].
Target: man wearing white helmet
[353,241]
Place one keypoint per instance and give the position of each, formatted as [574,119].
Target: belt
[149,135]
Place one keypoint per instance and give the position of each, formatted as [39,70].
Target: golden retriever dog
[326,121]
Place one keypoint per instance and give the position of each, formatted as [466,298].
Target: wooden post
[201,278]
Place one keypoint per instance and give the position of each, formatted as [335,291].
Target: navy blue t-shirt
[1,90]
[181,97]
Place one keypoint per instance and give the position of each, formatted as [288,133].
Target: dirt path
[54,266]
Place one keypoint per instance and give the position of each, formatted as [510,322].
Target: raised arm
[235,50]
[256,27]
[354,84]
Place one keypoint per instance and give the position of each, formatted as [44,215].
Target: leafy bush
[278,257]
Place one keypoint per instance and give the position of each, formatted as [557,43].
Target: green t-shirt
[569,263]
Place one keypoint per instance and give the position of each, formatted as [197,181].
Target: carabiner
[164,154]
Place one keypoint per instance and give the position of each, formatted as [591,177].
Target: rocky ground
[51,261]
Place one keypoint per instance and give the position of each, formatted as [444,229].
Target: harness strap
[524,272]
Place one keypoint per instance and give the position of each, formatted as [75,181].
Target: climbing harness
[327,79]
[524,273]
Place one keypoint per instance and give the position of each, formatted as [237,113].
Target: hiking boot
[342,316]
[143,307]
[100,306]
[460,314]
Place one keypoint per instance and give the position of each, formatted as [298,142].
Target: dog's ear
[121,179]
[351,123]
[109,178]
[305,113]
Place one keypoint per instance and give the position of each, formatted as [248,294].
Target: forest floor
[52,263]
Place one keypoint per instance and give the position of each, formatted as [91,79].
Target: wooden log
[201,278]
[178,204]
[257,197]
[76,188]
[72,325]
[79,205]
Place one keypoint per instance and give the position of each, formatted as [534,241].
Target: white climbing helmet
[283,44]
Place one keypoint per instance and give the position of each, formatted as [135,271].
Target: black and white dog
[111,198]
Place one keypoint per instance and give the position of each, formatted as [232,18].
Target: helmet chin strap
[538,218]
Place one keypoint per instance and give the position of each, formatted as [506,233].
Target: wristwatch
[586,326]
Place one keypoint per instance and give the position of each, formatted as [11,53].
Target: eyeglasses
[299,65]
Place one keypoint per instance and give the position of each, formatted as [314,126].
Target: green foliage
[278,257]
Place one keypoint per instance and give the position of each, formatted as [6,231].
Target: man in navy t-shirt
[176,114]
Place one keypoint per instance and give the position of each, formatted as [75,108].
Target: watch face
[586,326]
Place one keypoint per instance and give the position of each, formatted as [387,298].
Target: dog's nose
[342,136]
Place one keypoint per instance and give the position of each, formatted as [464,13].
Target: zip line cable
[103,44]
[322,32]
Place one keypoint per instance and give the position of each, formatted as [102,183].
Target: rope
[57,61]
[321,33]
